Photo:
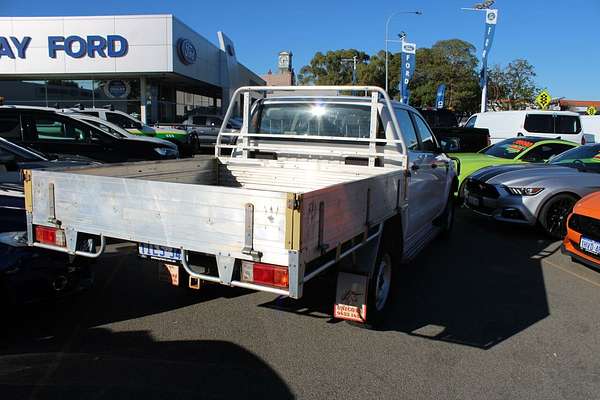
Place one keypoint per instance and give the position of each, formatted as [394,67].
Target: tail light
[582,140]
[49,235]
[265,274]
[489,141]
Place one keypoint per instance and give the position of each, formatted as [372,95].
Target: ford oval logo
[409,47]
[186,51]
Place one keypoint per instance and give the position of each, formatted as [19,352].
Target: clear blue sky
[560,38]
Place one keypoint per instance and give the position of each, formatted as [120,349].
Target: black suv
[54,133]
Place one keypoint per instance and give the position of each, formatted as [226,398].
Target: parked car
[527,149]
[452,138]
[185,141]
[591,124]
[119,132]
[536,194]
[26,273]
[582,241]
[52,132]
[206,128]
[548,124]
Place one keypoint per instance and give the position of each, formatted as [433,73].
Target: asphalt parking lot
[493,312]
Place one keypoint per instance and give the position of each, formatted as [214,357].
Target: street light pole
[387,24]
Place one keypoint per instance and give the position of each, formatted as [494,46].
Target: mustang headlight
[524,191]
[165,151]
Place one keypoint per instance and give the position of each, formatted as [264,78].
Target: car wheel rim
[557,216]
[383,283]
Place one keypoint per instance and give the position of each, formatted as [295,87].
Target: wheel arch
[543,203]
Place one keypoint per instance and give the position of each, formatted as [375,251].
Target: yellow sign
[591,110]
[543,99]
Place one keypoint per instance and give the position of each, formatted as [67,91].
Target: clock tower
[284,63]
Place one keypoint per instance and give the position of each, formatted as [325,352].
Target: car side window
[543,152]
[428,143]
[408,130]
[201,120]
[122,121]
[10,126]
[92,113]
[471,122]
[48,127]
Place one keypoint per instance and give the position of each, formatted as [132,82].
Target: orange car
[582,242]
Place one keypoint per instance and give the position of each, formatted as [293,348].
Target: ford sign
[186,51]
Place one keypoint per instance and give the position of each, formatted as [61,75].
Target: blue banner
[408,69]
[440,97]
[491,18]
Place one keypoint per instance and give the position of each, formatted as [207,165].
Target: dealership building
[153,66]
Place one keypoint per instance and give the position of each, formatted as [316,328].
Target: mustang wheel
[553,216]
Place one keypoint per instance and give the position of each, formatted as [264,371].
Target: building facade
[285,75]
[153,66]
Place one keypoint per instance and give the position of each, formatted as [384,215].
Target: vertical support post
[246,123]
[143,95]
[373,131]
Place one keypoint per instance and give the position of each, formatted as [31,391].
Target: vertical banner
[408,68]
[491,17]
[440,97]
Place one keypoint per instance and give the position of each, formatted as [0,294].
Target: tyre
[554,213]
[380,289]
[447,217]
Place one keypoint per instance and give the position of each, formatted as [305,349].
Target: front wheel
[553,215]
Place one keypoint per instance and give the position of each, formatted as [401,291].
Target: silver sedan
[533,193]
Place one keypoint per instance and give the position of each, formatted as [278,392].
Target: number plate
[160,252]
[474,201]
[590,246]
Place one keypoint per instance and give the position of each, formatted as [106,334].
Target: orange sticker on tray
[597,156]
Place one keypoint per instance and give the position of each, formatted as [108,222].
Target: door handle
[415,167]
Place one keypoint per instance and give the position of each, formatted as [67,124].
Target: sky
[560,38]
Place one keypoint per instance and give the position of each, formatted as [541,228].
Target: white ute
[310,180]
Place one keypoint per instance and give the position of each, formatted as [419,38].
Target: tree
[452,62]
[512,87]
[330,69]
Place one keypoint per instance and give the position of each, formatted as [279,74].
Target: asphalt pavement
[493,312]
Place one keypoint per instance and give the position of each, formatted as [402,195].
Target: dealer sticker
[351,297]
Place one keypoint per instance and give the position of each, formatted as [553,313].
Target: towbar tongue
[351,297]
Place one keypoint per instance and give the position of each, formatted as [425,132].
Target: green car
[522,149]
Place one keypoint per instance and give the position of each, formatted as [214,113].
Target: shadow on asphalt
[479,287]
[101,364]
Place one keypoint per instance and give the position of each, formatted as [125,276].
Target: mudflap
[351,297]
[352,290]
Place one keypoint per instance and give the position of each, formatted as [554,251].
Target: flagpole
[484,92]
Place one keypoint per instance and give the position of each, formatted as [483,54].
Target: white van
[502,125]
[591,124]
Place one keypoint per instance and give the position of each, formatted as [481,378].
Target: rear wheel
[379,292]
[553,215]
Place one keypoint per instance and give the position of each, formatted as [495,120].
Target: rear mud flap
[351,297]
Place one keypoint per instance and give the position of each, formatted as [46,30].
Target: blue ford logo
[186,51]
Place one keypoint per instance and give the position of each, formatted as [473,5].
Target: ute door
[436,168]
[418,182]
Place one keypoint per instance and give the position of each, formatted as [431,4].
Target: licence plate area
[473,201]
[589,245]
[159,252]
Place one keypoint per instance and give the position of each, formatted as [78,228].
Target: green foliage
[512,87]
[330,69]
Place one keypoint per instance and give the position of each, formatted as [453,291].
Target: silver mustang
[534,193]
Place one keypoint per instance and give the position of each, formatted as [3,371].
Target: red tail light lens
[265,274]
[49,235]
[582,140]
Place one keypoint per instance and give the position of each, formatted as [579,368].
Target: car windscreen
[439,118]
[313,119]
[509,148]
[588,155]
